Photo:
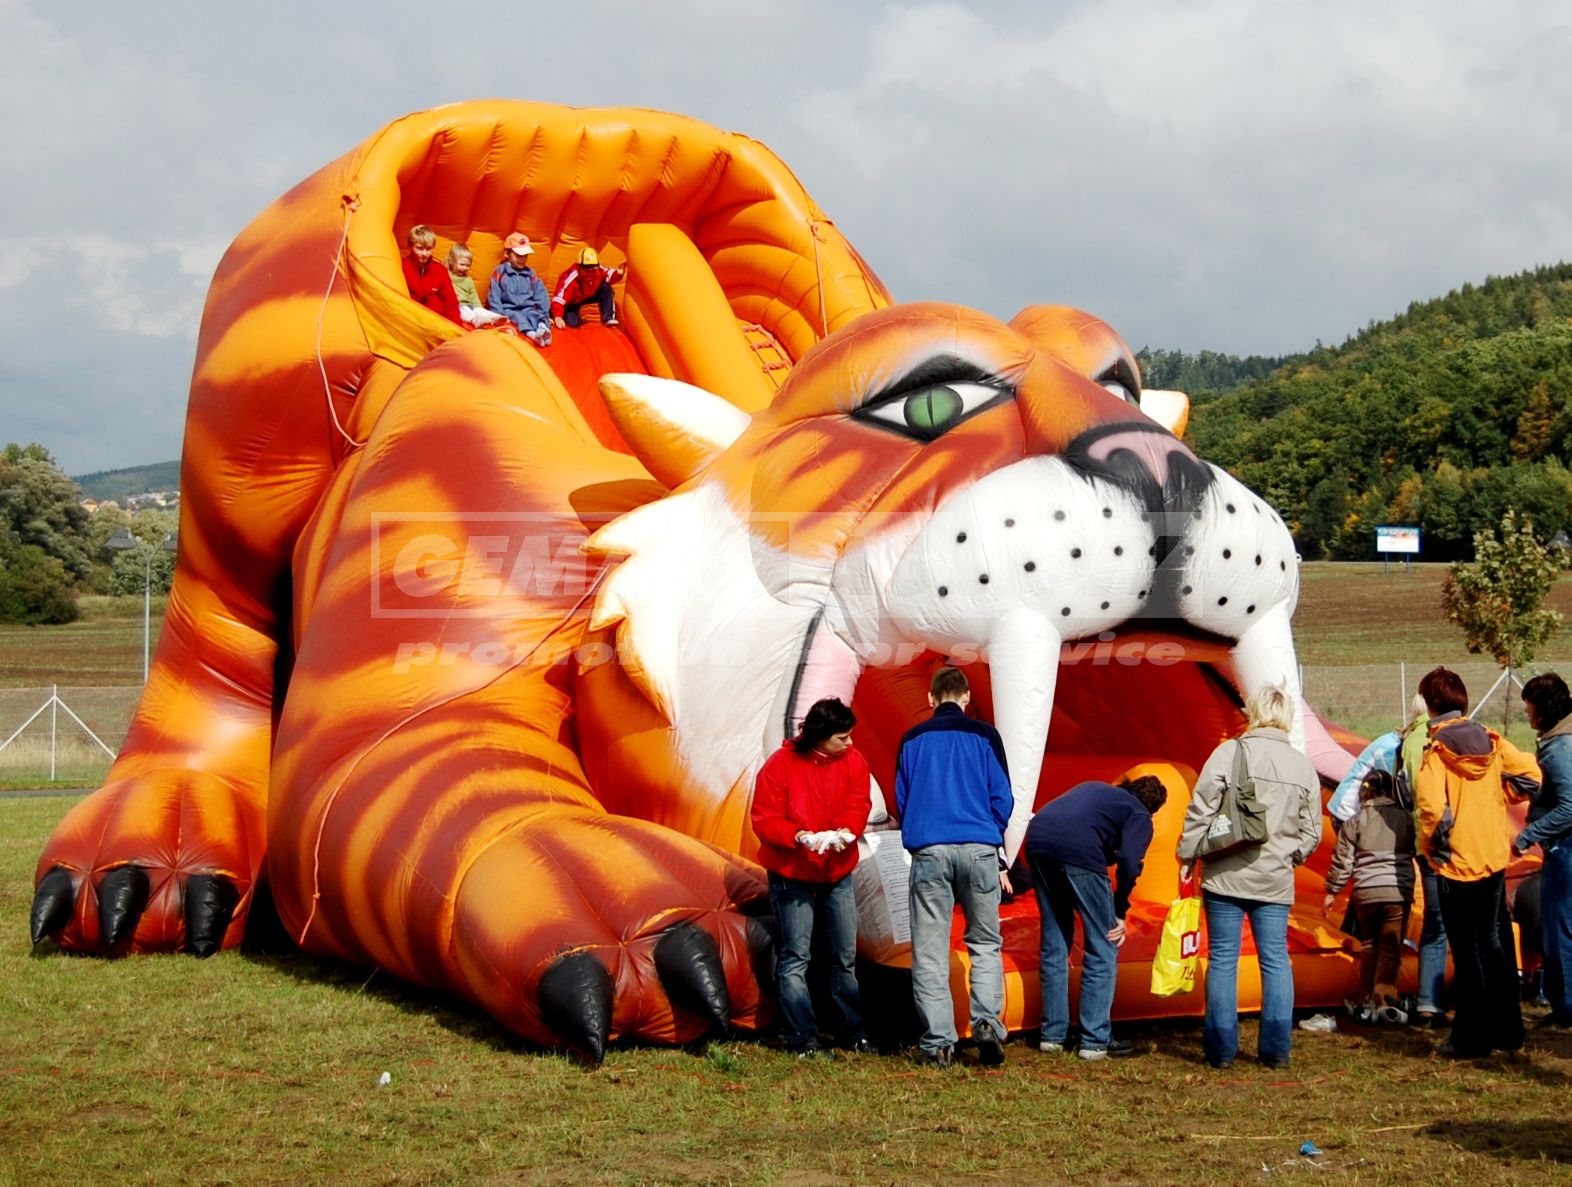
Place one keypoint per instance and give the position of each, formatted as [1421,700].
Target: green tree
[39,505]
[1497,599]
[143,564]
[34,588]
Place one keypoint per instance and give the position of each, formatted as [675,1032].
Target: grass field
[1355,614]
[264,1070]
[103,648]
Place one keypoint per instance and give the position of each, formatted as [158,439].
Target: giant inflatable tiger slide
[474,648]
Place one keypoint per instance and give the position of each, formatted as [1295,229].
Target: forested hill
[1441,417]
[135,480]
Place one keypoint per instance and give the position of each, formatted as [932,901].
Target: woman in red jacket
[810,804]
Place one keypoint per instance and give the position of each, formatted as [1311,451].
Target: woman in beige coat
[1256,882]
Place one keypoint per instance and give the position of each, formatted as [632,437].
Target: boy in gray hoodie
[1375,848]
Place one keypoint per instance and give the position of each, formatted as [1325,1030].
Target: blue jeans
[941,877]
[1555,916]
[797,905]
[1269,926]
[1063,891]
[602,297]
[1432,945]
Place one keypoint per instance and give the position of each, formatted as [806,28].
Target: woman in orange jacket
[810,804]
[1461,790]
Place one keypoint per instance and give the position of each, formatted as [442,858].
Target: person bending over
[585,282]
[1070,844]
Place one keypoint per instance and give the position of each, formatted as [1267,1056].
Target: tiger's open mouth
[1160,623]
[1122,698]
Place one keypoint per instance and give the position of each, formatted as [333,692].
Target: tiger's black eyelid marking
[885,407]
[941,369]
[1122,372]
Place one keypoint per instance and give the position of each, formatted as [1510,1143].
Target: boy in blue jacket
[952,791]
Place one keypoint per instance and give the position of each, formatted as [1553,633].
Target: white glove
[844,837]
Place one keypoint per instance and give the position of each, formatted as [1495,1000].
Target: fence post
[54,714]
[1402,688]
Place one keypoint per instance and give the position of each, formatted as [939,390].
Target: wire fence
[68,736]
[62,735]
[1373,698]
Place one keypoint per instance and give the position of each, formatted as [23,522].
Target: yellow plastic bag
[1179,949]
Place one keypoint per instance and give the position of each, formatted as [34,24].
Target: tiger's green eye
[929,410]
[933,409]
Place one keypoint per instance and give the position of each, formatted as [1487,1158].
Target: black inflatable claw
[575,1000]
[761,952]
[691,971]
[209,906]
[122,896]
[52,902]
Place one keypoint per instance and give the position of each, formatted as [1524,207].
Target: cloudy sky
[1236,175]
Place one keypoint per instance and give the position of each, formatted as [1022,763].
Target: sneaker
[1319,1023]
[1393,1015]
[860,1047]
[612,323]
[811,1051]
[941,1057]
[990,1046]
[1049,1047]
[1220,1064]
[1116,1049]
[1274,1063]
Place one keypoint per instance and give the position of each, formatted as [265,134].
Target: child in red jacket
[428,281]
[584,283]
[810,804]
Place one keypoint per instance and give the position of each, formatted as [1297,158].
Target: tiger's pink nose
[1145,459]
[1154,451]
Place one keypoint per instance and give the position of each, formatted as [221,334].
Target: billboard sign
[1391,538]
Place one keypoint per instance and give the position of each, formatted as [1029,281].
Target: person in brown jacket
[1461,790]
[1375,849]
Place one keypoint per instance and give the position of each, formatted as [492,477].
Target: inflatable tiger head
[928,480]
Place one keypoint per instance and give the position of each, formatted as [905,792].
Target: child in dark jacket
[1375,849]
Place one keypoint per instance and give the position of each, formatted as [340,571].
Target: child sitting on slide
[472,309]
[428,281]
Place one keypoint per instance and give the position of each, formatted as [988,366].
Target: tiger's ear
[674,428]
